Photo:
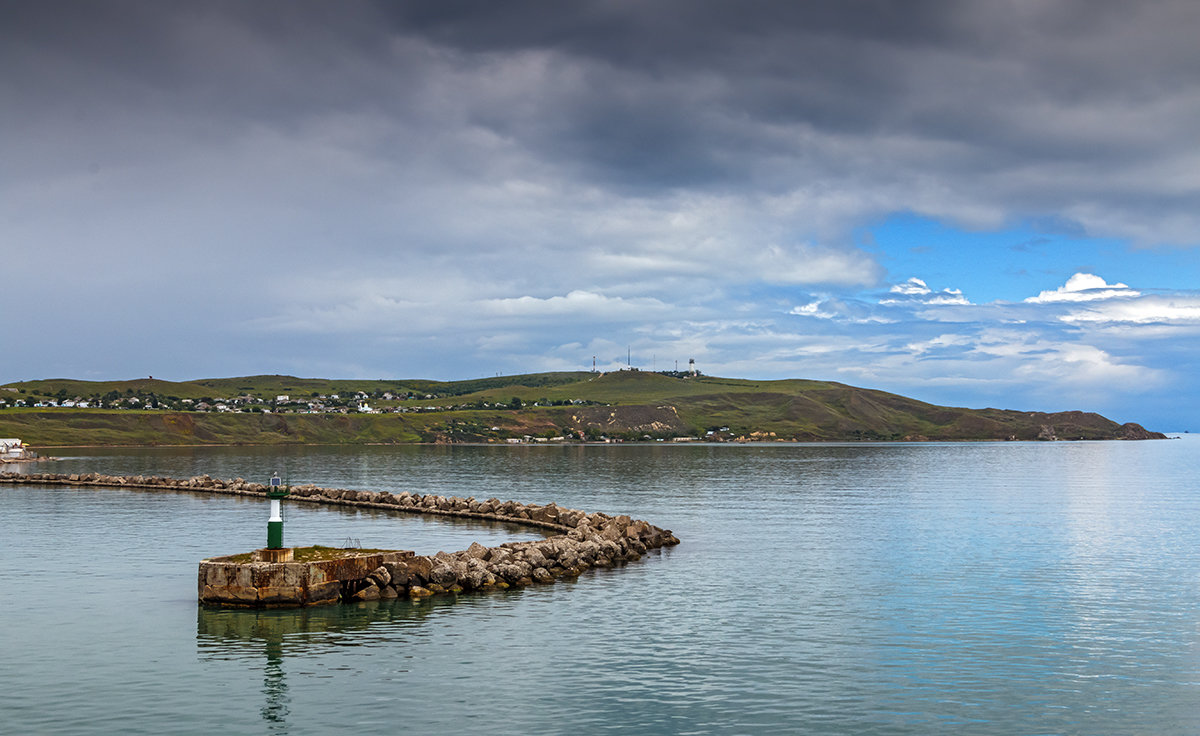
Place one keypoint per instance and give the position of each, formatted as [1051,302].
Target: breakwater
[585,540]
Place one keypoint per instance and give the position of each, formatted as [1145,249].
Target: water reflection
[232,633]
[275,711]
[275,635]
[994,589]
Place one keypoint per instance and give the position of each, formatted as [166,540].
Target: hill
[625,405]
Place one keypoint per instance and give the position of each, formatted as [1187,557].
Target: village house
[12,449]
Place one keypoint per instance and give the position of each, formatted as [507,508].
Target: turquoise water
[955,588]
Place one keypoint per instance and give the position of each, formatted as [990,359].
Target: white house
[11,448]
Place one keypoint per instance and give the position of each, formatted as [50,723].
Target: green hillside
[626,405]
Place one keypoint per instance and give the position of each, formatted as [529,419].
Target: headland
[621,406]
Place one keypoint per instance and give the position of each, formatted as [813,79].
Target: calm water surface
[929,588]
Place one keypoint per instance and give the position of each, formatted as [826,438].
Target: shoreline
[663,443]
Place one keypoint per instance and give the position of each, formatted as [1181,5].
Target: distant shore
[655,443]
[562,409]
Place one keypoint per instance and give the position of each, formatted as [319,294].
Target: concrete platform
[228,581]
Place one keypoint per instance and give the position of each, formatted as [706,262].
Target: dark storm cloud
[998,86]
[678,94]
[516,185]
[1018,106]
[212,59]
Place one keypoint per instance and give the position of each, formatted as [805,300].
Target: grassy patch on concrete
[316,553]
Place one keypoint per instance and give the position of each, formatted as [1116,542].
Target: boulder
[476,575]
[443,574]
[498,554]
[380,576]
[550,513]
[369,593]
[568,559]
[508,573]
[418,570]
[534,557]
[637,530]
[588,550]
[398,574]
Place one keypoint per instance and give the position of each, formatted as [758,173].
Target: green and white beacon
[275,524]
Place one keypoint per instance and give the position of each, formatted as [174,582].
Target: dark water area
[993,588]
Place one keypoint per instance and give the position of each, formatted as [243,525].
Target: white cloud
[812,309]
[1144,310]
[840,310]
[807,264]
[913,287]
[949,296]
[577,304]
[916,291]
[1075,365]
[1084,287]
[940,342]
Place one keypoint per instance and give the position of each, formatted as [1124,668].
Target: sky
[983,204]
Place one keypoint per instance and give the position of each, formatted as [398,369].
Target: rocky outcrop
[585,540]
[1133,431]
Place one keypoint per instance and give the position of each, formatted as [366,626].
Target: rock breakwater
[586,540]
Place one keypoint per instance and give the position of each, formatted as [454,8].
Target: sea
[966,588]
